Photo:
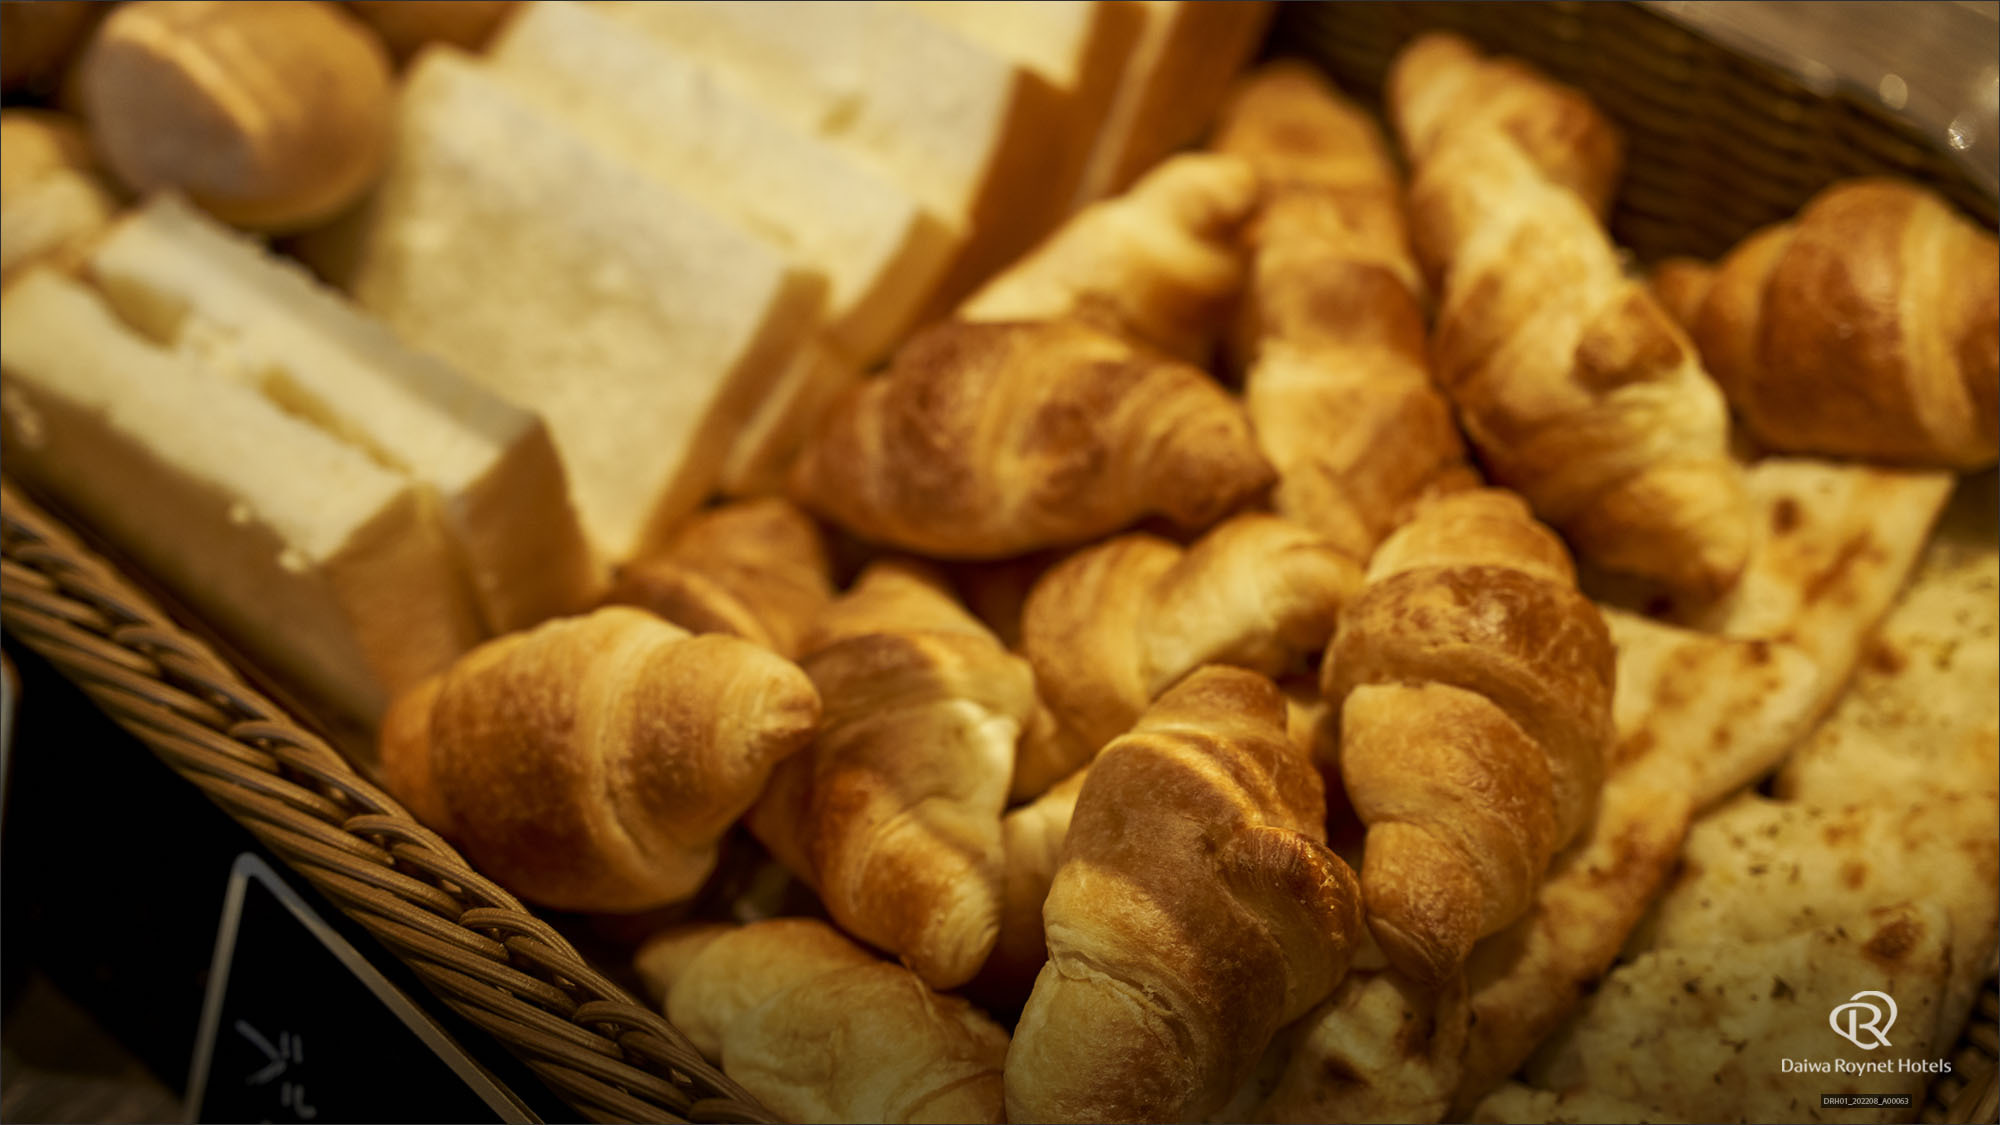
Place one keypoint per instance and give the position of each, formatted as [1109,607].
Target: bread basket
[1719,144]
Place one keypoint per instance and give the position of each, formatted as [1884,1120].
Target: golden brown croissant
[993,440]
[894,813]
[1441,84]
[1473,686]
[1867,327]
[1338,382]
[1574,385]
[1196,911]
[1112,626]
[1158,265]
[820,1030]
[592,763]
[757,569]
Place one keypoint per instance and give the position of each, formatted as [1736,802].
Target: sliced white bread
[1078,46]
[1186,55]
[51,202]
[664,110]
[318,563]
[498,487]
[643,327]
[962,126]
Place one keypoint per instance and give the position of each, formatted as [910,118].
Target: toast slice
[1188,51]
[643,327]
[495,482]
[1078,46]
[961,126]
[319,562]
[664,110]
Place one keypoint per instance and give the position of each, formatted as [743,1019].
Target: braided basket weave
[1718,145]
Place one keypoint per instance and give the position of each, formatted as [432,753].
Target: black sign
[299,1026]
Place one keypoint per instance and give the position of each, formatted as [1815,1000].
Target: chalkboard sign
[298,1026]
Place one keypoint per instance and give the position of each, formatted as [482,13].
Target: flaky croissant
[1196,911]
[1331,333]
[818,1029]
[1112,626]
[1441,84]
[1575,386]
[1158,265]
[592,763]
[1472,684]
[1867,327]
[993,440]
[757,569]
[893,815]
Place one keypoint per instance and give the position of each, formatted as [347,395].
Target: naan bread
[1708,714]
[1835,543]
[1526,979]
[1702,1033]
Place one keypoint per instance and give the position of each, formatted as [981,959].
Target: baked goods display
[1067,628]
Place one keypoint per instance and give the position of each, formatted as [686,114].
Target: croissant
[1195,912]
[1112,626]
[1576,388]
[592,763]
[1473,688]
[1158,265]
[757,569]
[1867,327]
[893,816]
[993,440]
[1441,84]
[1338,383]
[820,1030]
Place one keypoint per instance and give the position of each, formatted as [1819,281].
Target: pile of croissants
[1216,626]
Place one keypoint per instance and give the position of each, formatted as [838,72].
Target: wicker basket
[1718,146]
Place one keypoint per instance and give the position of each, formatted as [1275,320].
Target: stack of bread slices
[616,260]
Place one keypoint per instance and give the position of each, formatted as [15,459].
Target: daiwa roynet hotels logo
[1865,1020]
